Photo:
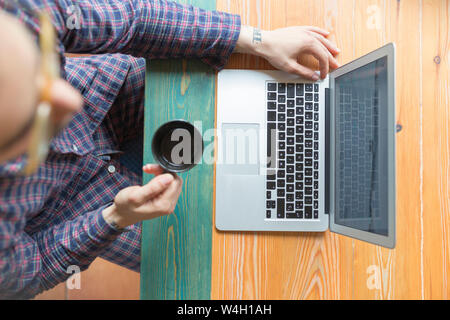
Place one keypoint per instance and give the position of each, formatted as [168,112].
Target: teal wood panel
[176,249]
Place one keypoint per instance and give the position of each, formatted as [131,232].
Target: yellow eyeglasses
[42,128]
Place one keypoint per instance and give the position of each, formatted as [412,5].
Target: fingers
[331,60]
[323,50]
[320,53]
[285,45]
[150,190]
[173,189]
[331,47]
[305,72]
[334,64]
[318,30]
[166,201]
[152,169]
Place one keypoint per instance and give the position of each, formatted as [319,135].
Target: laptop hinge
[327,150]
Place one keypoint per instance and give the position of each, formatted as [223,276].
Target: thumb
[152,189]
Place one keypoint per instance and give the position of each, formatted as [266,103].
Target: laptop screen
[361,166]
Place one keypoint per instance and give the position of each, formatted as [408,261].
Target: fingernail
[315,77]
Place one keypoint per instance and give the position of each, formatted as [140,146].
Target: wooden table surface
[256,265]
[309,266]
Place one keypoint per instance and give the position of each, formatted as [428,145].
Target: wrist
[251,40]
[113,218]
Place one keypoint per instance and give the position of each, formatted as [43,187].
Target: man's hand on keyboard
[282,47]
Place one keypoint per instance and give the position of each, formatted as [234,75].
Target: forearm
[149,29]
[77,242]
[174,30]
[143,28]
[31,264]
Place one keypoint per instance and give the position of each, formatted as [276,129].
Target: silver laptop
[296,155]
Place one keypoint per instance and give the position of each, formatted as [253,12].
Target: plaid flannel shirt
[52,219]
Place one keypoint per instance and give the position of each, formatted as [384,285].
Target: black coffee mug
[177,146]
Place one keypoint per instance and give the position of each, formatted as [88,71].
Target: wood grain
[176,249]
[56,293]
[369,35]
[102,280]
[328,266]
[267,265]
[435,148]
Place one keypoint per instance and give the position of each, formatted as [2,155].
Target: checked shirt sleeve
[146,28]
[30,264]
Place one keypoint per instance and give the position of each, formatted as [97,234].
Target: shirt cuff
[107,228]
[226,39]
[76,242]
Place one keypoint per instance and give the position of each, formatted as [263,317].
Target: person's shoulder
[25,11]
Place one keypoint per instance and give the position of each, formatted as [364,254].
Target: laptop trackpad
[240,149]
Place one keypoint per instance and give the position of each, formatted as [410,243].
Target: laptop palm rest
[240,145]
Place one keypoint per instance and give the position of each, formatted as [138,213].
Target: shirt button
[75,148]
[111,169]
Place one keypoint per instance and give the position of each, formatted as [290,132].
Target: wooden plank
[245,263]
[254,265]
[56,293]
[176,249]
[336,19]
[381,273]
[435,175]
[336,250]
[406,274]
[259,13]
[104,280]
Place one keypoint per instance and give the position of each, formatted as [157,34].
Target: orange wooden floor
[329,266]
[102,280]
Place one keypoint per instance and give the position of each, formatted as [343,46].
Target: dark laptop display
[361,140]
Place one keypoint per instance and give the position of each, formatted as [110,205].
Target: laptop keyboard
[292,177]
